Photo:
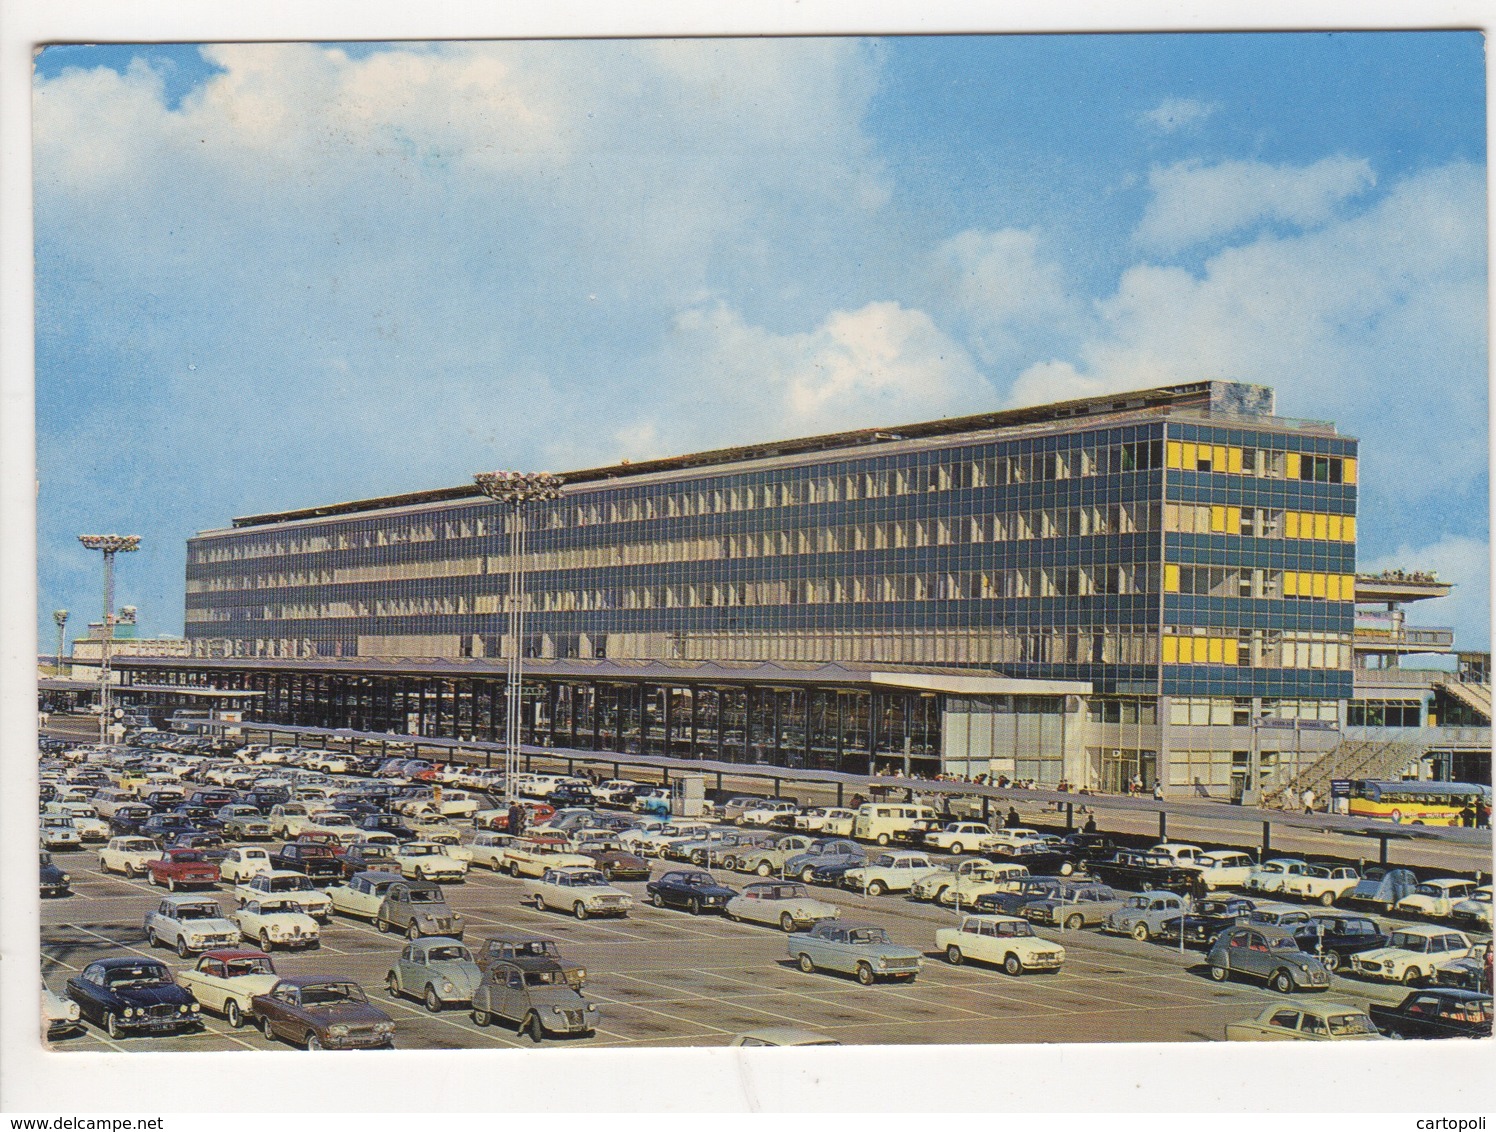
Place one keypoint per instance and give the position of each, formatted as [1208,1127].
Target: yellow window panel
[1191,456]
[1335,525]
[1233,520]
[1218,458]
[1171,578]
[1290,583]
[1186,650]
[1348,528]
[1217,651]
[1174,455]
[1321,526]
[1332,587]
[1233,461]
[1348,470]
[1291,465]
[1171,650]
[1347,587]
[1230,653]
[1290,524]
[1319,585]
[1218,519]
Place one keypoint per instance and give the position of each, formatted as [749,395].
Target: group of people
[1476,815]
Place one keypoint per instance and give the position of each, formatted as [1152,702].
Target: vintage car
[1323,884]
[362,894]
[964,881]
[862,950]
[1051,856]
[1070,905]
[1142,916]
[616,792]
[1011,894]
[519,945]
[1270,876]
[369,855]
[719,847]
[1474,912]
[488,849]
[1436,1012]
[333,826]
[1322,1022]
[189,924]
[438,970]
[61,1016]
[311,858]
[959,836]
[1435,898]
[54,882]
[580,890]
[833,852]
[320,1012]
[1262,951]
[649,840]
[85,819]
[774,812]
[59,832]
[289,820]
[651,800]
[298,886]
[244,823]
[1335,939]
[133,996]
[238,865]
[1143,871]
[1206,920]
[1382,887]
[830,821]
[785,903]
[534,993]
[769,860]
[276,920]
[690,889]
[417,908]
[1006,941]
[531,856]
[498,819]
[1223,868]
[1412,954]
[425,860]
[129,820]
[1472,972]
[612,860]
[782,1036]
[179,868]
[226,982]
[387,823]
[889,872]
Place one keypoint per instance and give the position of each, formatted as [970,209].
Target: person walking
[1090,826]
[1158,791]
[1012,821]
[516,819]
[1308,800]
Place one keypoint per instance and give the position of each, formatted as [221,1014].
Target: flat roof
[1231,398]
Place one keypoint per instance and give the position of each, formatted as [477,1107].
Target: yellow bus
[1415,803]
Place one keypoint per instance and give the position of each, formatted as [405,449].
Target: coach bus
[1415,803]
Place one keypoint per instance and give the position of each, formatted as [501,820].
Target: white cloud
[1193,202]
[1173,114]
[1464,561]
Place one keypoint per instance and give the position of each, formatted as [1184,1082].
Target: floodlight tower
[110,545]
[517,489]
[60,616]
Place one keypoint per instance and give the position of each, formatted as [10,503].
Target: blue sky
[272,276]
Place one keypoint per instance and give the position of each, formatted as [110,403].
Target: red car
[536,814]
[328,839]
[177,868]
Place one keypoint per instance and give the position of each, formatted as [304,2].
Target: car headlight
[184,1009]
[384,1027]
[338,1031]
[130,1012]
[555,1010]
[448,986]
[73,1012]
[581,973]
[66,877]
[592,1008]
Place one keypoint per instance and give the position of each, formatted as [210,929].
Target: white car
[775,811]
[489,850]
[615,792]
[290,820]
[128,855]
[189,924]
[531,857]
[362,894]
[1018,835]
[85,820]
[243,863]
[829,821]
[968,880]
[889,872]
[787,904]
[959,836]
[649,842]
[1270,876]
[453,804]
[1474,912]
[584,892]
[1224,868]
[1412,954]
[1323,883]
[425,860]
[1007,941]
[59,832]
[1436,898]
[282,882]
[276,920]
[329,762]
[227,982]
[339,824]
[1180,854]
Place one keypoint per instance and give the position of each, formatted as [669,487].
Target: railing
[1439,638]
[1402,677]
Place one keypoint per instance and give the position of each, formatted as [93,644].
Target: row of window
[1232,581]
[1384,713]
[1259,522]
[1236,711]
[1264,463]
[1258,648]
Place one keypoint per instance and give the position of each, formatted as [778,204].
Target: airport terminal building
[1158,584]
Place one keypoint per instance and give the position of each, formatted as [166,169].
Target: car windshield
[192,856]
[142,975]
[198,912]
[46,858]
[420,850]
[1006,928]
[1428,890]
[291,884]
[330,994]
[1316,871]
[425,896]
[1287,943]
[451,953]
[584,879]
[696,879]
[1344,1025]
[1408,941]
[529,947]
[544,978]
[272,906]
[238,967]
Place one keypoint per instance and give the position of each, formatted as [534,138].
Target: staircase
[1353,758]
[1477,697]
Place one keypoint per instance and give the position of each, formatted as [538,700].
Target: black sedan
[1208,919]
[832,871]
[570,794]
[388,823]
[1437,1012]
[1014,894]
[691,889]
[129,996]
[1335,938]
[128,820]
[1041,858]
[1144,872]
[54,880]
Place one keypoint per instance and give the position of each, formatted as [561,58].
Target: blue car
[827,852]
[54,880]
[133,996]
[695,891]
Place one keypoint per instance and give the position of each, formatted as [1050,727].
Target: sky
[271,276]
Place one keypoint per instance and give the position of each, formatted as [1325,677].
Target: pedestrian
[1090,826]
[1467,815]
[1200,791]
[1308,800]
[1483,815]
[1013,821]
[1136,785]
[1158,791]
[516,819]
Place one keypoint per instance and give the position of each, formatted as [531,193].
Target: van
[881,821]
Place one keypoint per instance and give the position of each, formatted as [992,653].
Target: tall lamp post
[516,489]
[61,617]
[110,545]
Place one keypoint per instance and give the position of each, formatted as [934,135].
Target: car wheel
[381,925]
[1331,960]
[695,906]
[136,871]
[953,955]
[434,1004]
[579,910]
[267,1029]
[233,1014]
[1412,976]
[1075,923]
[392,985]
[1141,933]
[1066,868]
[657,900]
[807,874]
[1282,982]
[514,870]
[731,863]
[1327,898]
[957,848]
[807,964]
[865,974]
[533,1028]
[313,1042]
[1147,886]
[111,1023]
[265,942]
[876,888]
[1012,965]
[480,1017]
[182,951]
[1219,974]
[152,939]
[764,869]
[882,839]
[786,922]
[413,931]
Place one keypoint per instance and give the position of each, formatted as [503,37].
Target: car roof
[231,954]
[517,937]
[190,898]
[314,980]
[1271,931]
[438,941]
[126,961]
[530,963]
[994,917]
